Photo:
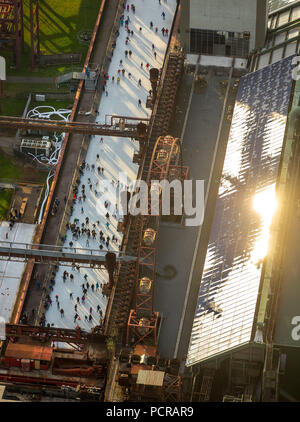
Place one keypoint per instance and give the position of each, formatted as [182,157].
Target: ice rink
[115,156]
[11,271]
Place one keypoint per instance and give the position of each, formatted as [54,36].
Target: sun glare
[265,204]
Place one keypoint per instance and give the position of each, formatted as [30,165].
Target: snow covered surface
[115,155]
[11,272]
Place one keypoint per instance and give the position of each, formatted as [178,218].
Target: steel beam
[49,253]
[127,130]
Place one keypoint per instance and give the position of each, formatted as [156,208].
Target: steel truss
[143,321]
[121,126]
[12,27]
[76,338]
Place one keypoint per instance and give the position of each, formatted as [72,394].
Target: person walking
[130,53]
[91,310]
[71,295]
[151,25]
[78,300]
[154,54]
[75,317]
[83,299]
[140,82]
[62,312]
[163,31]
[163,15]
[166,31]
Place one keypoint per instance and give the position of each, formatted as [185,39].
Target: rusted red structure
[166,158]
[34,31]
[128,127]
[12,28]
[29,356]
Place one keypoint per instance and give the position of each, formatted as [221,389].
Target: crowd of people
[126,23]
[75,295]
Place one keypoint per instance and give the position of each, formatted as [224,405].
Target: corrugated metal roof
[151,378]
[28,351]
[246,200]
[277,4]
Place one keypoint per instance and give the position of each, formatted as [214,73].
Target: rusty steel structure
[127,127]
[12,28]
[166,164]
[51,254]
[122,297]
[76,338]
[34,31]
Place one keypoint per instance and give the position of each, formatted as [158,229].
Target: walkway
[72,153]
[115,156]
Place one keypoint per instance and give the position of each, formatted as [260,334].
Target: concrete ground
[177,243]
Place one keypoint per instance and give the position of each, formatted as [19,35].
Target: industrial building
[227,28]
[201,313]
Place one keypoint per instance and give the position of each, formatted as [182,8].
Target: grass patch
[5,201]
[60,24]
[57,104]
[13,170]
[12,106]
[8,169]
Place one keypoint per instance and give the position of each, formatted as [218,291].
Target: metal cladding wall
[277,4]
[245,205]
